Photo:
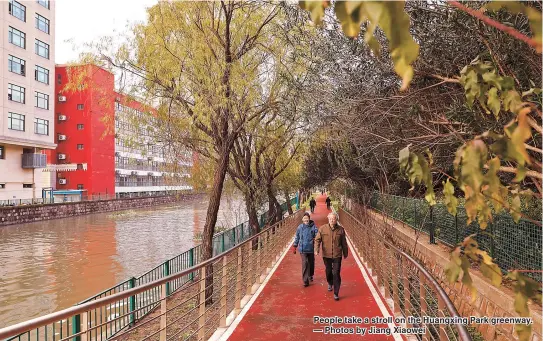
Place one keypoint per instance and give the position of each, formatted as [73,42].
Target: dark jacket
[312,202]
[305,235]
[333,240]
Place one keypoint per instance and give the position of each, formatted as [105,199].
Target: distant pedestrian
[328,202]
[334,245]
[312,204]
[304,242]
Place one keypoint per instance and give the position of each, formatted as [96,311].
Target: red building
[85,130]
[105,144]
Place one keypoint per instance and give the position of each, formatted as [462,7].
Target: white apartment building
[28,96]
[143,166]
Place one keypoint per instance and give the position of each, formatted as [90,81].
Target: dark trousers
[308,266]
[312,209]
[333,269]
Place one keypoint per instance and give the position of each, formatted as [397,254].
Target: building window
[16,121]
[79,166]
[80,107]
[41,74]
[16,65]
[59,78]
[17,10]
[79,147]
[79,127]
[27,185]
[42,100]
[2,153]
[44,3]
[42,49]
[16,93]
[79,186]
[42,23]
[41,127]
[17,37]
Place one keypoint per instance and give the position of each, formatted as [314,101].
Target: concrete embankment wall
[26,214]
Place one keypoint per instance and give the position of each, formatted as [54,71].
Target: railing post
[223,291]
[191,263]
[440,309]
[132,301]
[491,239]
[406,293]
[222,242]
[456,228]
[249,266]
[238,280]
[234,235]
[166,272]
[432,226]
[202,308]
[76,327]
[84,326]
[163,309]
[241,234]
[423,303]
[258,271]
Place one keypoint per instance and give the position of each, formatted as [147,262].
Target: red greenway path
[285,309]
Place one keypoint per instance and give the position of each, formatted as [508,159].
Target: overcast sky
[85,21]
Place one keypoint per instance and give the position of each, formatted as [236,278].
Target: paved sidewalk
[285,309]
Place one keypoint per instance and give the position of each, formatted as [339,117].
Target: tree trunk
[289,206]
[253,215]
[211,220]
[274,207]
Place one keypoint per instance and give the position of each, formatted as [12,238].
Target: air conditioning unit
[62,181]
[62,156]
[62,98]
[61,137]
[62,117]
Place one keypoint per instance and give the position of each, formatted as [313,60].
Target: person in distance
[312,204]
[304,242]
[334,245]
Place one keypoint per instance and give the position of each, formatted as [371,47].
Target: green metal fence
[142,304]
[512,245]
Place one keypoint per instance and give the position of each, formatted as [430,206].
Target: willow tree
[201,60]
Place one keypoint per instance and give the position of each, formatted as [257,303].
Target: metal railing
[210,292]
[144,303]
[410,290]
[511,245]
[85,197]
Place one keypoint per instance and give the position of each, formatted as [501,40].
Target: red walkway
[284,310]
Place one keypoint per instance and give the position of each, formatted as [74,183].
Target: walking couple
[308,241]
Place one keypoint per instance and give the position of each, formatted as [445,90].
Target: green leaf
[450,200]
[494,102]
[492,272]
[316,9]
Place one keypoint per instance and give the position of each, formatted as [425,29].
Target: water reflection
[50,265]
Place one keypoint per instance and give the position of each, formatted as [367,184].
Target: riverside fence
[512,245]
[106,318]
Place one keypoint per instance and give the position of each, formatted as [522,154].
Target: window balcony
[31,160]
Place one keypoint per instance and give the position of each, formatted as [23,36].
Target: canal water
[50,265]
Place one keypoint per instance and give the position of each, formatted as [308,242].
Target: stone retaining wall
[26,214]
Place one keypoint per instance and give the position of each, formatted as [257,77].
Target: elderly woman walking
[305,235]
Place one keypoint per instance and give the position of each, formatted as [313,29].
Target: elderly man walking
[334,246]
